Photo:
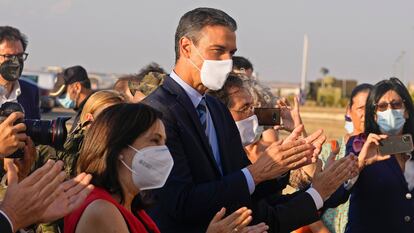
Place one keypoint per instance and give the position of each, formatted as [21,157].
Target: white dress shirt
[12,96]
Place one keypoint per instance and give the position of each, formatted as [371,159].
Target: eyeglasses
[245,110]
[394,105]
[20,57]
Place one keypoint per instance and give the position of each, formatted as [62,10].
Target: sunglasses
[383,106]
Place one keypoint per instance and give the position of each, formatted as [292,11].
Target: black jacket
[195,190]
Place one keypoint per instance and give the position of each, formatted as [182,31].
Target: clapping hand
[235,222]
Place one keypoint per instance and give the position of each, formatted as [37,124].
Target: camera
[44,132]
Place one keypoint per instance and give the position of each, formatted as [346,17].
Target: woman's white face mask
[151,166]
[249,130]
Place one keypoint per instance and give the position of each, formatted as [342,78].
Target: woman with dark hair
[381,196]
[125,152]
[335,219]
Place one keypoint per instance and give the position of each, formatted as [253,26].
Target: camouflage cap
[150,82]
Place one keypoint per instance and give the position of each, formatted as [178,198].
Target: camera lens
[45,132]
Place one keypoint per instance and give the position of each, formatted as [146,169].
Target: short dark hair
[8,33]
[233,81]
[364,87]
[107,137]
[375,95]
[192,22]
[152,67]
[241,63]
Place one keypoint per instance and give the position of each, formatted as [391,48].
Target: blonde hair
[99,101]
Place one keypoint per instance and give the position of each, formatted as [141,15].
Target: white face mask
[214,73]
[150,167]
[249,130]
[349,127]
[391,121]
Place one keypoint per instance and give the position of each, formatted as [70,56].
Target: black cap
[70,75]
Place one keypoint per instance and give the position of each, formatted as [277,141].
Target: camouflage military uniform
[69,155]
[150,82]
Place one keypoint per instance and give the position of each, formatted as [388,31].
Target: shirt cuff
[249,179]
[8,219]
[316,197]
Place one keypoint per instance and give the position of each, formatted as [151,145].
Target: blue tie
[202,113]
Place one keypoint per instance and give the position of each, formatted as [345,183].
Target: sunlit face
[73,91]
[214,43]
[357,112]
[242,103]
[154,136]
[391,99]
[8,47]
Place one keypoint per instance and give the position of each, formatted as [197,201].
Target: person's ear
[406,116]
[78,87]
[185,47]
[89,117]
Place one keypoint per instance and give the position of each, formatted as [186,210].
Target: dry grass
[331,120]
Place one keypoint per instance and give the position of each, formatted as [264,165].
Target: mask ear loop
[128,167]
[199,54]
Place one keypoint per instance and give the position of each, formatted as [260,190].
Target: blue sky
[354,39]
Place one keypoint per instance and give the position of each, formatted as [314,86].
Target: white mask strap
[128,167]
[133,148]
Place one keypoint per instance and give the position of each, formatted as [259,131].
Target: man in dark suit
[29,99]
[211,169]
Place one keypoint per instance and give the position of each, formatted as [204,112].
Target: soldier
[135,87]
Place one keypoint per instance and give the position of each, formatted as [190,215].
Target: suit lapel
[217,117]
[185,102]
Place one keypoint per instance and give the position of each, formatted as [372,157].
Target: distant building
[283,88]
[330,91]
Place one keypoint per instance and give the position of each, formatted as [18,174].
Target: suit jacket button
[407,218]
[408,196]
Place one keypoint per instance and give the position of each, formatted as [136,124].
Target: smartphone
[396,145]
[268,116]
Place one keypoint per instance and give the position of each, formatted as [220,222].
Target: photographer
[13,45]
[41,196]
